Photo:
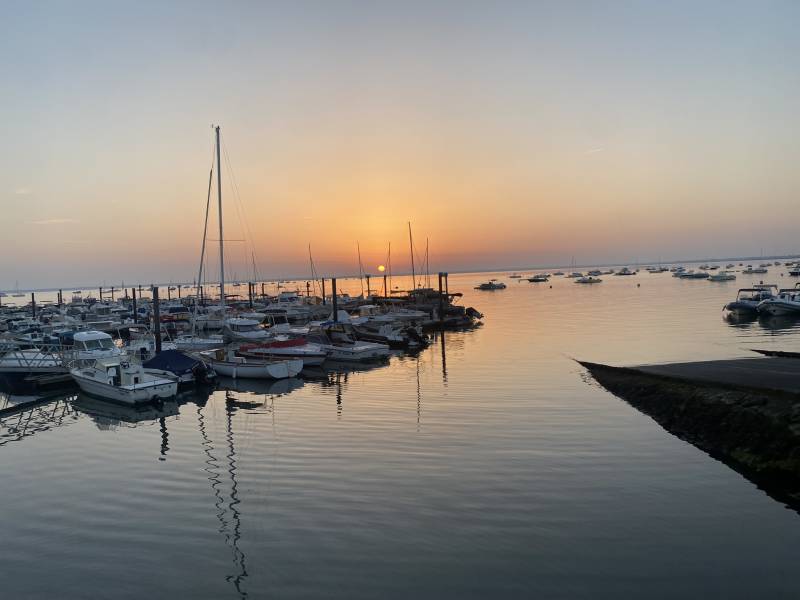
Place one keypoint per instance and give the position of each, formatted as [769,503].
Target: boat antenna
[389,265]
[360,270]
[427,265]
[221,243]
[413,270]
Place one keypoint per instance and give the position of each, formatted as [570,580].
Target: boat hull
[130,395]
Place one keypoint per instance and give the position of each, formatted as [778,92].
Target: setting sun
[381,268]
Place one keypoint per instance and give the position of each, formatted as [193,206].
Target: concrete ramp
[778,374]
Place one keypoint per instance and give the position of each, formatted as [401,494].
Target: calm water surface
[488,466]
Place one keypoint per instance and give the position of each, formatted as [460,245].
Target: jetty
[743,412]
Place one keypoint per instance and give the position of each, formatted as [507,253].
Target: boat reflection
[779,324]
[740,320]
[21,420]
[266,387]
[108,416]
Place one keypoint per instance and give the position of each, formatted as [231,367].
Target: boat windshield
[102,344]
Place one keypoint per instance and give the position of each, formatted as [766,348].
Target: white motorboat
[226,362]
[284,348]
[31,362]
[198,342]
[244,330]
[492,284]
[722,276]
[339,341]
[539,278]
[692,274]
[119,380]
[750,270]
[575,275]
[625,271]
[787,302]
[748,299]
[88,346]
[588,279]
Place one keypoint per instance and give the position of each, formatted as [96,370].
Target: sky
[509,134]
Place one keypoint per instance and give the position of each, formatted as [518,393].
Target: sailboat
[227,362]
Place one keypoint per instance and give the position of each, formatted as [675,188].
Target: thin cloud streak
[54,222]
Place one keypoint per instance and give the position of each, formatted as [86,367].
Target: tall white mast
[221,243]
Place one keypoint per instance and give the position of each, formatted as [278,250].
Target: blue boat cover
[173,361]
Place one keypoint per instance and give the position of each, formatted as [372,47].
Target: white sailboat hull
[279,369]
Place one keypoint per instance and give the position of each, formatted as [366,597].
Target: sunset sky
[509,134]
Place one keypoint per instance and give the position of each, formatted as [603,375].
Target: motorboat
[595,273]
[794,271]
[692,274]
[558,274]
[244,330]
[284,348]
[539,278]
[625,271]
[750,270]
[90,345]
[119,380]
[748,299]
[342,344]
[198,342]
[575,275]
[515,276]
[785,303]
[588,279]
[492,284]
[228,363]
[722,276]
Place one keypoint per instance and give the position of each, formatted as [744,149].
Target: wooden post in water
[60,298]
[169,292]
[156,320]
[101,294]
[112,293]
[335,301]
[385,290]
[33,304]
[135,314]
[250,287]
[447,284]
[308,289]
[441,299]
[367,278]
[179,292]
[324,301]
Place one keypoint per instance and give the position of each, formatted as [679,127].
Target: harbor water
[488,465]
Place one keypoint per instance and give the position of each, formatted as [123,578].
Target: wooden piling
[156,320]
[335,301]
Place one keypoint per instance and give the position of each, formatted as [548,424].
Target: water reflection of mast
[419,395]
[238,555]
[164,437]
[444,358]
[219,502]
